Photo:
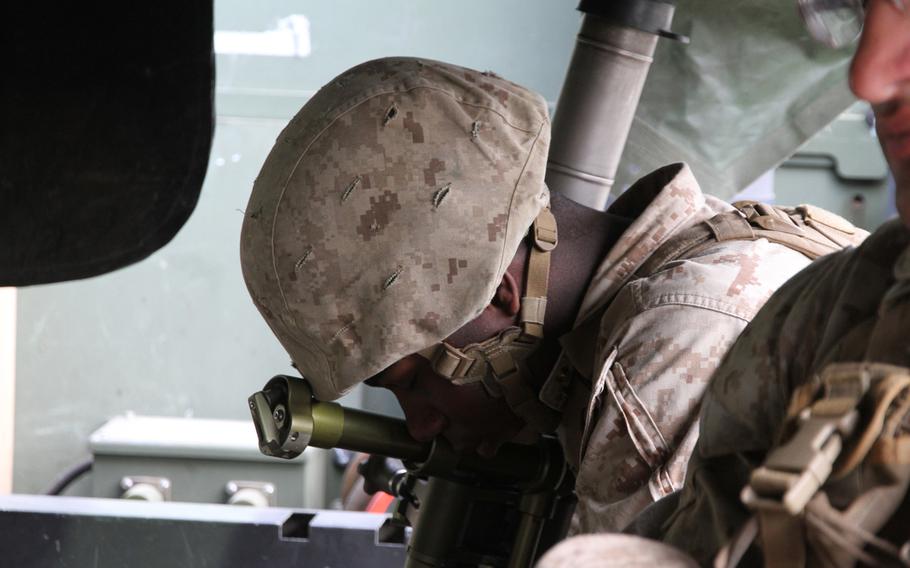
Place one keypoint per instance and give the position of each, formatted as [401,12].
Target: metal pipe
[596,107]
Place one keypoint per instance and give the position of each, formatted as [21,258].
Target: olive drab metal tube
[445,507]
[337,427]
[288,419]
[534,512]
[596,107]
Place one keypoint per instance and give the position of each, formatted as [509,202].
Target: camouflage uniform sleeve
[643,419]
[662,338]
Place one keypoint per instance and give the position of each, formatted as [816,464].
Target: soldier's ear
[507,299]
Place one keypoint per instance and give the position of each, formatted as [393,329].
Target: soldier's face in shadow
[465,415]
[880,74]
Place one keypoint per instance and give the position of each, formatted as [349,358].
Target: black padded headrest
[107,120]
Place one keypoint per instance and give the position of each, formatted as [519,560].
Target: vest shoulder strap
[809,230]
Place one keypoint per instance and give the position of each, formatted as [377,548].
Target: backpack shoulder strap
[809,230]
[847,421]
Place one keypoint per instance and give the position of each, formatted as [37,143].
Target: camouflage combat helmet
[387,212]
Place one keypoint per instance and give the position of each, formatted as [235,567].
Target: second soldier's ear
[508,296]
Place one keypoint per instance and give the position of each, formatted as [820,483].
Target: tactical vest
[806,229]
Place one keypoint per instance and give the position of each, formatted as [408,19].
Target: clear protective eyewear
[836,23]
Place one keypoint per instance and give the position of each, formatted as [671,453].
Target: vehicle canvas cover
[749,89]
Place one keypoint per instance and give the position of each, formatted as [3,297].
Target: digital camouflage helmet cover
[387,212]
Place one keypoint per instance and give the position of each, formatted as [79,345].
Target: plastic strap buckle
[545,233]
[794,472]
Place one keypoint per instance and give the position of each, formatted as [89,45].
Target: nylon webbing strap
[521,398]
[731,226]
[733,551]
[783,538]
[786,491]
[806,229]
[885,393]
[892,448]
[533,310]
[509,378]
[534,302]
[448,361]
[795,470]
[675,248]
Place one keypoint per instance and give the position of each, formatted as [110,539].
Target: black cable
[69,476]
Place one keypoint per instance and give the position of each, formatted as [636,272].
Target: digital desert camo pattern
[388,211]
[641,367]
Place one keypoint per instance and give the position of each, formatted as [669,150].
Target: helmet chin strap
[500,362]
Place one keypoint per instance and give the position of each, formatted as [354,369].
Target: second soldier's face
[465,415]
[880,74]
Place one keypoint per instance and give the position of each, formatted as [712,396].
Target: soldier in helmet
[400,233]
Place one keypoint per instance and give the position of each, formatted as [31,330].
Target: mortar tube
[334,426]
[596,107]
[359,431]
